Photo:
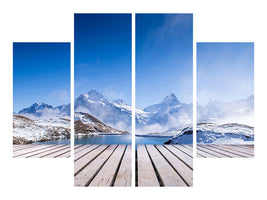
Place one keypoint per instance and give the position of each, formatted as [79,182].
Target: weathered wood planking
[106,175]
[240,149]
[165,171]
[185,150]
[80,153]
[88,157]
[146,174]
[180,167]
[210,151]
[38,153]
[181,155]
[204,154]
[41,151]
[103,165]
[51,151]
[30,150]
[124,176]
[225,151]
[85,174]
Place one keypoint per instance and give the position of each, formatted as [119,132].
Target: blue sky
[225,71]
[164,57]
[102,45]
[41,73]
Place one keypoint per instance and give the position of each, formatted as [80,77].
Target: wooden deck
[164,165]
[110,165]
[41,151]
[102,165]
[225,151]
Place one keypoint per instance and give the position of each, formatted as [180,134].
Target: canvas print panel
[41,99]
[225,97]
[164,89]
[102,104]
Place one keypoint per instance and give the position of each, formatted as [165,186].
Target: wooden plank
[241,148]
[232,150]
[85,176]
[29,150]
[146,173]
[55,149]
[166,173]
[107,174]
[185,150]
[76,146]
[37,153]
[77,150]
[58,153]
[181,155]
[199,155]
[181,168]
[188,146]
[84,151]
[82,162]
[205,154]
[20,147]
[124,176]
[214,148]
[249,146]
[64,155]
[27,155]
[209,151]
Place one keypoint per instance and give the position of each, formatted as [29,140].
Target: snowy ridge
[41,122]
[86,124]
[210,133]
[26,130]
[115,114]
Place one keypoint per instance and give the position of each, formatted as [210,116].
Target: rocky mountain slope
[86,124]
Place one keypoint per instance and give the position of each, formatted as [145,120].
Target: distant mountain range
[167,117]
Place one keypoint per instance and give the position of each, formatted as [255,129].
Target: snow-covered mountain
[41,122]
[26,130]
[155,118]
[168,114]
[210,133]
[240,111]
[116,114]
[44,111]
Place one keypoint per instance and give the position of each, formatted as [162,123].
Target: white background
[52,21]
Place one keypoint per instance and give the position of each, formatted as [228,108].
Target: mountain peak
[94,95]
[34,107]
[171,98]
[119,101]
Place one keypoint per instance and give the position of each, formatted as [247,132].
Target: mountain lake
[111,139]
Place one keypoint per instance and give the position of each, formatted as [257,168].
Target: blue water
[110,139]
[151,140]
[59,141]
[104,139]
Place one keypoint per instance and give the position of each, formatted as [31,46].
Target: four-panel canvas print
[109,133]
